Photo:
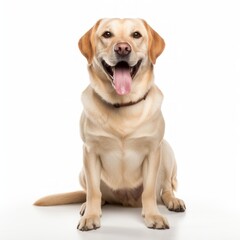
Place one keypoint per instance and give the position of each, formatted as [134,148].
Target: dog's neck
[119,105]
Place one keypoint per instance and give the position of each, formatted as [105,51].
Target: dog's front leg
[92,169]
[150,212]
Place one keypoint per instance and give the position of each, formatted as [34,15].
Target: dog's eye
[136,35]
[107,34]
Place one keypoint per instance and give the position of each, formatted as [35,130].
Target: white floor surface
[208,222]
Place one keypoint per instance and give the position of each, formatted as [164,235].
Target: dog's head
[120,54]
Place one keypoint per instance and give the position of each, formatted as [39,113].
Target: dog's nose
[122,49]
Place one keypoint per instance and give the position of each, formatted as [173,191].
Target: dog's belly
[122,163]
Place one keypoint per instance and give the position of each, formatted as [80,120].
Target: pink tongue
[122,80]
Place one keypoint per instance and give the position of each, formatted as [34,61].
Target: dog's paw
[156,221]
[89,222]
[176,205]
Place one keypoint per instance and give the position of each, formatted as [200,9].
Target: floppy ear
[155,45]
[86,43]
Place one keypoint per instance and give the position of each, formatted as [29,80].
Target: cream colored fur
[126,160]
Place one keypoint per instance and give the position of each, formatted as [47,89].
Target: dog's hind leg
[167,180]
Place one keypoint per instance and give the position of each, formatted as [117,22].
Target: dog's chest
[122,160]
[122,142]
[122,157]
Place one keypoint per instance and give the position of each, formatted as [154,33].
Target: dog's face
[121,51]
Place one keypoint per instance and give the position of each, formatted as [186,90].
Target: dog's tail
[62,198]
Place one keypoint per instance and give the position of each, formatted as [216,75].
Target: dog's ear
[86,43]
[155,43]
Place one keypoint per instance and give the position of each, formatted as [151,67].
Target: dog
[125,158]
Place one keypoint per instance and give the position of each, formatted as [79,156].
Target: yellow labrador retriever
[126,160]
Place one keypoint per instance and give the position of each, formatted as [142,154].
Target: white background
[42,75]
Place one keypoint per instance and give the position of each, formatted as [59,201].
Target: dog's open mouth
[121,75]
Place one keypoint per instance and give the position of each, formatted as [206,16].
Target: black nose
[122,49]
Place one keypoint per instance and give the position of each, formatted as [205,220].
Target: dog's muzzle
[121,75]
